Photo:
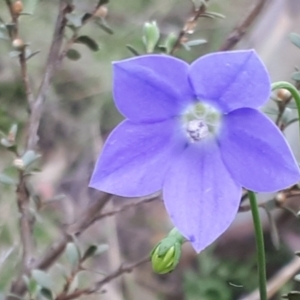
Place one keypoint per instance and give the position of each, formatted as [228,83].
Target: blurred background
[79,114]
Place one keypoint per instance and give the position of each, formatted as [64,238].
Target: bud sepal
[166,254]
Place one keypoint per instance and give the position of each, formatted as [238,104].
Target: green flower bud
[166,254]
[170,42]
[151,36]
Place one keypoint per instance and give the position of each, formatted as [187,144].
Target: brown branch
[25,78]
[14,35]
[26,221]
[98,285]
[189,26]
[236,35]
[23,196]
[58,247]
[51,65]
[14,18]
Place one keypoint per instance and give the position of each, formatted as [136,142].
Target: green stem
[292,89]
[260,248]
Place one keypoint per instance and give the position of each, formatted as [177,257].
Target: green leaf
[73,254]
[73,54]
[198,3]
[94,250]
[195,42]
[297,278]
[46,293]
[30,157]
[4,35]
[170,41]
[104,26]
[5,179]
[31,284]
[186,47]
[85,17]
[25,14]
[11,136]
[103,2]
[151,36]
[29,54]
[6,143]
[89,42]
[213,15]
[75,19]
[42,278]
[132,50]
[296,76]
[294,295]
[14,54]
[295,39]
[10,28]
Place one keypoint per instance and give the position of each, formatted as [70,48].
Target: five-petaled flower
[194,132]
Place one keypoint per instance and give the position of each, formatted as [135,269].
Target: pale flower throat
[200,121]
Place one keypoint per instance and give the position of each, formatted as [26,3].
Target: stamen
[197,130]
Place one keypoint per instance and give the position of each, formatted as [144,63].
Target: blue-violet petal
[135,158]
[231,80]
[152,87]
[200,195]
[256,153]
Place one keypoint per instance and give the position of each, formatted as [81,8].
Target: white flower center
[201,120]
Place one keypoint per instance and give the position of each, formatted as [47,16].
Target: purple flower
[194,132]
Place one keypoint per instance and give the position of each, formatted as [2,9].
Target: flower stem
[292,89]
[260,248]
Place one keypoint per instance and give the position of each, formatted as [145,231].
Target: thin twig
[189,26]
[26,221]
[58,247]
[236,35]
[52,63]
[23,196]
[14,18]
[127,206]
[22,57]
[74,36]
[120,271]
[25,78]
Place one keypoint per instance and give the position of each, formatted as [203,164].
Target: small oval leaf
[46,293]
[295,39]
[296,76]
[42,278]
[73,254]
[105,27]
[73,54]
[132,50]
[195,42]
[87,41]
